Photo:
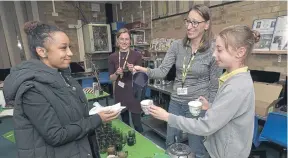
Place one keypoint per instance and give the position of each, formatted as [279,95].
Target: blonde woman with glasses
[196,71]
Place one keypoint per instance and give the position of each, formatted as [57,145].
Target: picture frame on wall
[97,38]
[279,40]
[138,39]
[266,28]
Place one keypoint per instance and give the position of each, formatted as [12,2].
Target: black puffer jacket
[50,112]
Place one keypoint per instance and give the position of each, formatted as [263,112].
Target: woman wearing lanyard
[196,71]
[123,78]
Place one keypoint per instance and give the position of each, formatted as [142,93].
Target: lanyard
[185,69]
[125,59]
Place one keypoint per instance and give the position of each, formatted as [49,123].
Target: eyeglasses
[193,23]
[124,40]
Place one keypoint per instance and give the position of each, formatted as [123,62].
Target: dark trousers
[136,119]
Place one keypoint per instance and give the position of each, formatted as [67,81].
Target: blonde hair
[122,30]
[237,36]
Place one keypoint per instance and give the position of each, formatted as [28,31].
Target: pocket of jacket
[22,153]
[66,150]
[75,156]
[41,152]
[24,139]
[227,143]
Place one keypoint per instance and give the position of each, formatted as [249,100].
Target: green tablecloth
[144,148]
[90,96]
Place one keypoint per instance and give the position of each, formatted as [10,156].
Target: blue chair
[87,82]
[104,78]
[148,93]
[275,131]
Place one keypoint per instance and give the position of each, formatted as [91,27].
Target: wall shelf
[158,51]
[186,12]
[139,29]
[270,52]
[140,45]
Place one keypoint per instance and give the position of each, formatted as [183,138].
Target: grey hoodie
[228,124]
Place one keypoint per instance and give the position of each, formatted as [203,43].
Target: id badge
[121,84]
[182,91]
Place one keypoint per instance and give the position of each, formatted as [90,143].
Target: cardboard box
[266,97]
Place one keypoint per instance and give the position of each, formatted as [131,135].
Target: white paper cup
[145,104]
[195,107]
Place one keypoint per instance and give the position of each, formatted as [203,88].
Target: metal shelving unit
[158,126]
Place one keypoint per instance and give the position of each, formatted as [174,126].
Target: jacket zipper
[64,79]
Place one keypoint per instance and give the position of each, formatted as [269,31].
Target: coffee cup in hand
[145,104]
[195,107]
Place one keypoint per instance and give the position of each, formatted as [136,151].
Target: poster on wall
[266,28]
[279,40]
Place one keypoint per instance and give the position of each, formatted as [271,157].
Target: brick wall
[246,13]
[68,14]
[133,8]
[172,27]
[222,15]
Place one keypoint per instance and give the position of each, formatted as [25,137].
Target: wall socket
[279,58]
[71,26]
[54,14]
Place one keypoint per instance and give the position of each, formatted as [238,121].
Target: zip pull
[64,80]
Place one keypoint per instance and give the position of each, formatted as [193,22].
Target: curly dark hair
[37,34]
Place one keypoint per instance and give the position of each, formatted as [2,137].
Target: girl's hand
[158,113]
[205,103]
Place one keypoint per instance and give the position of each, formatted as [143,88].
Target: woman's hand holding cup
[131,67]
[140,68]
